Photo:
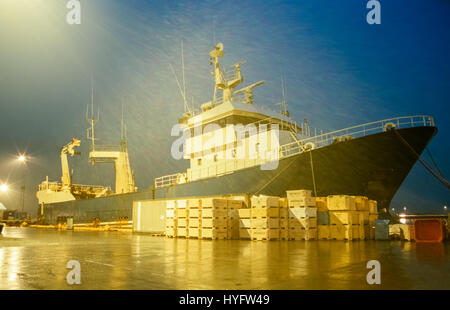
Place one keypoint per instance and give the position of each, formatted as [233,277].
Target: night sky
[339,72]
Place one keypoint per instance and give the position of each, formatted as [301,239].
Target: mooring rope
[276,176]
[312,172]
[437,175]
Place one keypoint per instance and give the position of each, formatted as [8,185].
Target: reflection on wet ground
[36,259]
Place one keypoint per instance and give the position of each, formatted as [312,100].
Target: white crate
[302,212]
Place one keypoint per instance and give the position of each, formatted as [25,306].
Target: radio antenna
[92,120]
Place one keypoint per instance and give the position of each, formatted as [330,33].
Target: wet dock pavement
[36,259]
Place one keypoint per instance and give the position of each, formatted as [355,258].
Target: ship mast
[112,154]
[284,110]
[222,81]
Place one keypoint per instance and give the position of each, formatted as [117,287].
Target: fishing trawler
[236,146]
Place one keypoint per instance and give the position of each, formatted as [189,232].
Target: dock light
[3,188]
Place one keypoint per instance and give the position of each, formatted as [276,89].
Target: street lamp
[404,209]
[445,208]
[22,159]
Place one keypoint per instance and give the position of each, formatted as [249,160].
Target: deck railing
[355,132]
[57,186]
[166,180]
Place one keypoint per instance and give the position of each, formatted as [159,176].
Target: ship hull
[374,166]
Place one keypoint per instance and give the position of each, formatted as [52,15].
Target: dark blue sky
[339,72]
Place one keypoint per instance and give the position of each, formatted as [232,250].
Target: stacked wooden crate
[343,217]
[171,219]
[284,219]
[214,218]
[232,218]
[323,219]
[182,216]
[373,216]
[195,218]
[244,216]
[265,218]
[362,208]
[302,215]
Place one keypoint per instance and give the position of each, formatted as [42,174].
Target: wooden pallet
[195,213]
[344,217]
[298,193]
[214,222]
[259,212]
[341,203]
[361,203]
[323,232]
[194,233]
[321,204]
[284,234]
[303,212]
[244,213]
[302,202]
[264,223]
[245,233]
[304,223]
[211,213]
[214,234]
[265,234]
[264,201]
[302,234]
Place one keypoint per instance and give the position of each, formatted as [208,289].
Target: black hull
[373,166]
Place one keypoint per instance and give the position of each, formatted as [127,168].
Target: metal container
[381,229]
[69,223]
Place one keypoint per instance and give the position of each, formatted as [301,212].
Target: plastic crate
[429,230]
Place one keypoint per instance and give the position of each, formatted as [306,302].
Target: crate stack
[214,218]
[284,219]
[182,216]
[323,219]
[265,218]
[362,208]
[344,219]
[195,218]
[373,216]
[302,215]
[171,219]
[232,218]
[244,216]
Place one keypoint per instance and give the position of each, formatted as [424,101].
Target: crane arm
[68,149]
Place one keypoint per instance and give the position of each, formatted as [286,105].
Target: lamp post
[22,160]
